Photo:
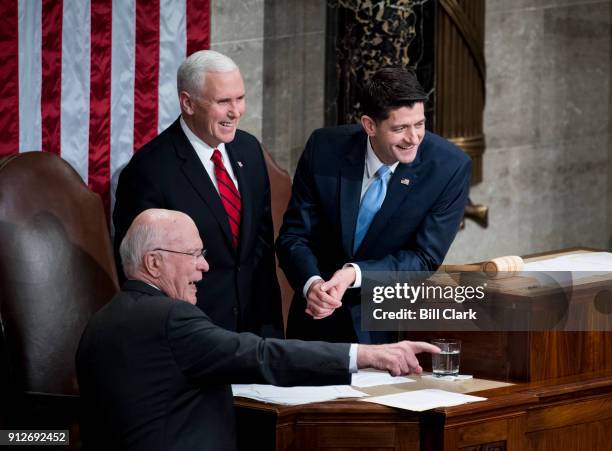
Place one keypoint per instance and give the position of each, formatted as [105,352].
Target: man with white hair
[204,166]
[154,371]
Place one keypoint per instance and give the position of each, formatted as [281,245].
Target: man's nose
[411,135]
[234,110]
[202,265]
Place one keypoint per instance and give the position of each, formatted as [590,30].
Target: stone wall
[236,30]
[280,48]
[547,177]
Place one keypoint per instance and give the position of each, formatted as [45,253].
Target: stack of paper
[420,400]
[295,395]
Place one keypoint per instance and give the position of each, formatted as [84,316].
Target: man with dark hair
[384,195]
[154,371]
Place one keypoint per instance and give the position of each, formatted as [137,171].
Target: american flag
[93,80]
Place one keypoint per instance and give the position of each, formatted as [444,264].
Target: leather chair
[280,189]
[56,270]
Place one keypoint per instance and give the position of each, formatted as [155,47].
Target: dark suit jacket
[154,373]
[240,292]
[412,231]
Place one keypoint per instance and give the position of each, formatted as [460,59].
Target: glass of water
[447,362]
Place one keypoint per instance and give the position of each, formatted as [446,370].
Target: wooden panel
[450,439]
[516,434]
[493,446]
[503,434]
[569,414]
[305,438]
[357,436]
[484,432]
[408,437]
[561,439]
[558,354]
[590,436]
[285,436]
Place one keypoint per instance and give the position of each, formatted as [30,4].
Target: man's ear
[369,125]
[151,264]
[186,102]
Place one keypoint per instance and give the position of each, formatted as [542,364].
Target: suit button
[235,311]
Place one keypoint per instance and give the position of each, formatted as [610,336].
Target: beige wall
[279,46]
[547,177]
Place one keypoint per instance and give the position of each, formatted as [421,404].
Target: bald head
[150,229]
[163,248]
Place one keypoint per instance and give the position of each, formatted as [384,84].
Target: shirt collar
[197,143]
[151,285]
[373,164]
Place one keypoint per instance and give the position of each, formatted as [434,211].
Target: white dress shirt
[205,152]
[372,164]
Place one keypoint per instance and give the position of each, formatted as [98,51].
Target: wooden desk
[563,401]
[571,413]
[535,355]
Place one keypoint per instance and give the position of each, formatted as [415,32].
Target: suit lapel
[236,155]
[351,179]
[196,174]
[399,190]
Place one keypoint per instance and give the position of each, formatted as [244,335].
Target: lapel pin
[405,182]
[239,163]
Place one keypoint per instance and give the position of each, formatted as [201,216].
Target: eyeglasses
[196,254]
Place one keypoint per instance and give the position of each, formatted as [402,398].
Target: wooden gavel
[496,268]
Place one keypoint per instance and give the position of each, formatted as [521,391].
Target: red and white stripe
[93,80]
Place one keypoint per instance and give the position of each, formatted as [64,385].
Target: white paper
[420,400]
[594,262]
[364,379]
[292,396]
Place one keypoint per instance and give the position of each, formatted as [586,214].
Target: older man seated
[154,371]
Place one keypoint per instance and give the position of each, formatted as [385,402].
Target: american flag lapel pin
[405,182]
[240,164]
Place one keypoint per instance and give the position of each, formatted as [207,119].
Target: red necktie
[230,197]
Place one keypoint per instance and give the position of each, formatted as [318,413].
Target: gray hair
[139,239]
[191,73]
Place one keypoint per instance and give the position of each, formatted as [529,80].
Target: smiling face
[213,113]
[397,138]
[178,273]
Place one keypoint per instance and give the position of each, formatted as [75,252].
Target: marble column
[547,170]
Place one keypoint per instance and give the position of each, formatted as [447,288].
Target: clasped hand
[326,296]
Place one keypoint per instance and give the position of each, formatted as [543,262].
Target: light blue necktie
[370,204]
